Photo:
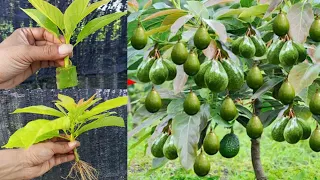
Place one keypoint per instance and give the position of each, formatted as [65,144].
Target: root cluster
[83,171]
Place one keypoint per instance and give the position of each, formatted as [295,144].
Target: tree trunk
[255,158]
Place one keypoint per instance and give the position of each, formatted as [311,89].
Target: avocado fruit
[235,75]
[192,65]
[157,146]
[172,69]
[286,93]
[306,129]
[216,77]
[139,38]
[153,101]
[169,149]
[229,145]
[201,165]
[314,31]
[159,72]
[211,143]
[179,53]
[289,54]
[301,51]
[314,141]
[199,77]
[293,131]
[278,129]
[202,38]
[228,110]
[191,104]
[254,127]
[260,46]
[236,45]
[247,48]
[281,24]
[144,69]
[314,104]
[254,78]
[274,51]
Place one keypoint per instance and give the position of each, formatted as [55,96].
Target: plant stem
[76,155]
[256,161]
[66,62]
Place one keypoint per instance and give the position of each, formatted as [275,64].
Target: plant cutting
[54,21]
[72,120]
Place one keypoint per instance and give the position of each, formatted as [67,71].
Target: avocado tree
[215,63]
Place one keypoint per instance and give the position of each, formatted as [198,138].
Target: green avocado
[293,131]
[216,77]
[289,54]
[229,146]
[274,51]
[199,77]
[211,143]
[179,53]
[236,45]
[254,127]
[286,93]
[191,104]
[278,129]
[260,46]
[254,78]
[192,65]
[247,48]
[139,38]
[159,72]
[314,31]
[281,24]
[157,146]
[301,51]
[172,69]
[202,38]
[235,75]
[314,141]
[314,104]
[201,165]
[169,149]
[153,101]
[144,69]
[306,129]
[228,110]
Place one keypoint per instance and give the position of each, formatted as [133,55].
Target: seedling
[73,119]
[54,21]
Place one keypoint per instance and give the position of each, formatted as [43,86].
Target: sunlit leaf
[215,2]
[197,8]
[40,110]
[171,18]
[93,7]
[219,29]
[158,30]
[254,11]
[180,80]
[67,102]
[72,15]
[273,5]
[211,50]
[178,24]
[267,86]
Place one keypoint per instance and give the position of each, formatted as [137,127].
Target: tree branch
[255,158]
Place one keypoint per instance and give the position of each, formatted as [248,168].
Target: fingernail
[65,49]
[72,144]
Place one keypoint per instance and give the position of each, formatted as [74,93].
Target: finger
[43,43]
[44,53]
[60,159]
[40,34]
[62,39]
[63,147]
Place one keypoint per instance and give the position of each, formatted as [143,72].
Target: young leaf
[72,15]
[67,102]
[164,12]
[42,20]
[158,30]
[50,11]
[97,24]
[102,122]
[254,11]
[92,7]
[219,28]
[40,110]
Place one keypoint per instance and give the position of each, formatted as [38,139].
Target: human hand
[27,50]
[29,163]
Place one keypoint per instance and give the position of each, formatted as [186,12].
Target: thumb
[47,52]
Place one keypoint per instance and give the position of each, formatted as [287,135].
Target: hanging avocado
[216,77]
[254,78]
[229,145]
[169,149]
[274,51]
[159,72]
[179,53]
[192,65]
[201,165]
[260,46]
[236,45]
[306,129]
[228,110]
[235,75]
[153,101]
[301,51]
[254,127]
[286,93]
[199,77]
[278,129]
[202,38]
[314,141]
[172,69]
[289,54]
[211,143]
[157,146]
[280,24]
[293,131]
[144,69]
[314,104]
[191,104]
[139,38]
[247,48]
[314,31]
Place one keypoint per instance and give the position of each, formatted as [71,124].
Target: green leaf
[164,12]
[73,15]
[102,122]
[40,110]
[141,139]
[197,8]
[50,11]
[67,102]
[246,3]
[105,106]
[93,7]
[267,86]
[302,112]
[175,106]
[254,11]
[273,5]
[218,28]
[42,20]
[97,24]
[35,131]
